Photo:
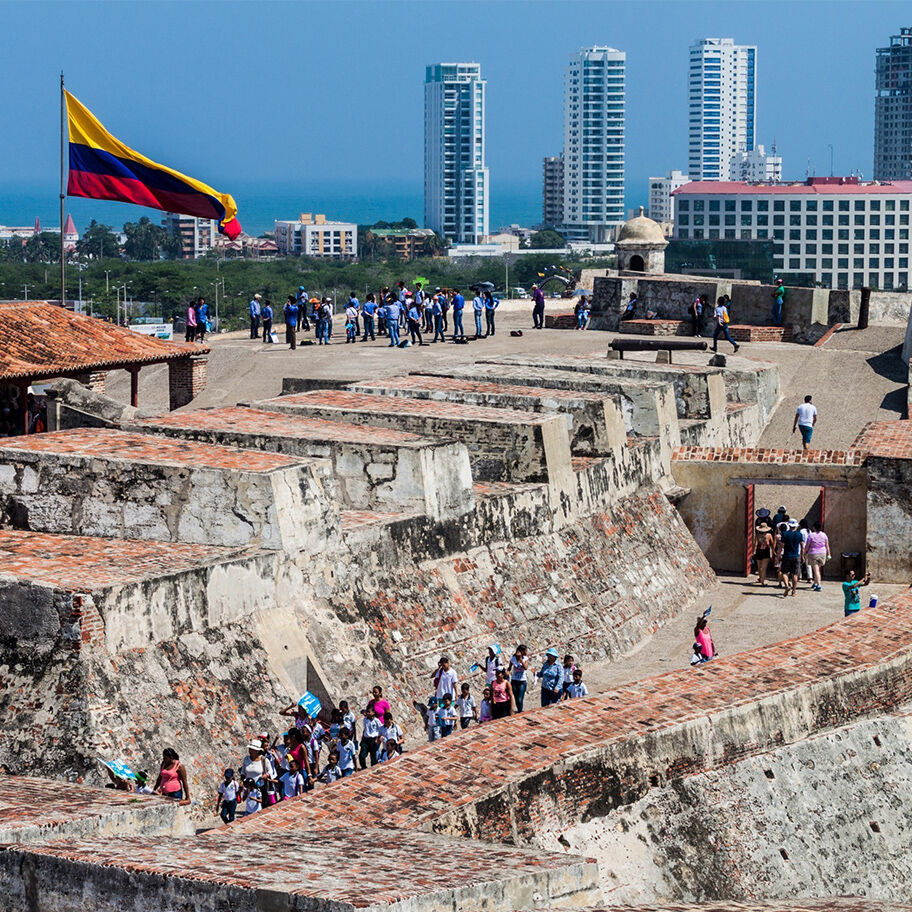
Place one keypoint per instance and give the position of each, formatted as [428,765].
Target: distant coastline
[259,204]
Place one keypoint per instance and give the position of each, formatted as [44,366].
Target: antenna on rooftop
[830,145]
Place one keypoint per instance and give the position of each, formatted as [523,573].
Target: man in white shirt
[445,679]
[805,419]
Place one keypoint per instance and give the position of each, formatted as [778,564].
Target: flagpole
[62,194]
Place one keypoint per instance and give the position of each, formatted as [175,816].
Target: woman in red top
[502,694]
[172,777]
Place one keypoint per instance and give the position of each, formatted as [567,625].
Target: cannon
[656,345]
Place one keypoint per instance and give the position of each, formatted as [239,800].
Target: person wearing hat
[780,517]
[258,767]
[763,549]
[792,543]
[301,301]
[255,316]
[552,678]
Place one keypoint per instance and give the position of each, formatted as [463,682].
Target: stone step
[644,327]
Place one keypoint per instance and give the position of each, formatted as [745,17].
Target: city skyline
[314,139]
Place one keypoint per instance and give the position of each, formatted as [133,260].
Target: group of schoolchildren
[503,693]
[276,769]
[403,315]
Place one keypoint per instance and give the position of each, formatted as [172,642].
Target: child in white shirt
[252,797]
[447,716]
[577,688]
[486,711]
[332,772]
[466,707]
[347,753]
[293,781]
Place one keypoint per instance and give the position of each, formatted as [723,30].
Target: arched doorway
[637,264]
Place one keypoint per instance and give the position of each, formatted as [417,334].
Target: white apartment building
[456,181]
[755,165]
[594,99]
[722,114]
[311,235]
[837,231]
[197,235]
[661,208]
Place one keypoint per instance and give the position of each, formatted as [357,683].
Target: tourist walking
[391,316]
[190,334]
[538,307]
[445,679]
[763,551]
[226,804]
[696,316]
[552,678]
[414,323]
[172,777]
[493,661]
[458,308]
[490,306]
[817,553]
[436,312]
[805,420]
[291,322]
[721,328]
[370,739]
[324,324]
[202,319]
[255,316]
[519,675]
[791,556]
[466,708]
[267,321]
[851,595]
[502,695]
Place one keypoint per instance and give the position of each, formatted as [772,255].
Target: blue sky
[320,94]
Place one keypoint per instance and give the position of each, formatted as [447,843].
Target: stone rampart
[503,444]
[111,483]
[372,468]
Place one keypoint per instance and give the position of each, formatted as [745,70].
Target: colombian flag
[102,167]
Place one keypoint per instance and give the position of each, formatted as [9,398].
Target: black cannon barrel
[657,345]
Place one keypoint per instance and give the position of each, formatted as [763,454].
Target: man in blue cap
[552,678]
[301,301]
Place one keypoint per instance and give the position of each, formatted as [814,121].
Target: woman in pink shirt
[817,553]
[190,335]
[703,639]
[379,702]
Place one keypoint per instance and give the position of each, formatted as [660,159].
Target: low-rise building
[407,243]
[197,235]
[755,165]
[313,236]
[660,190]
[836,231]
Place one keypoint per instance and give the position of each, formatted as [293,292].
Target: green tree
[98,242]
[42,248]
[547,237]
[147,241]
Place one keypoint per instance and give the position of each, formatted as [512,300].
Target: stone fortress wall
[142,638]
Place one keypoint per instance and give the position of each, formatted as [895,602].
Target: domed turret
[641,246]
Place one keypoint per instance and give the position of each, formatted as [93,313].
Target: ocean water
[259,204]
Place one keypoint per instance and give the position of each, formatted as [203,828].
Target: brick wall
[186,380]
[94,380]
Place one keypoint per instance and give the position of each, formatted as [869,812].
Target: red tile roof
[887,439]
[739,188]
[40,340]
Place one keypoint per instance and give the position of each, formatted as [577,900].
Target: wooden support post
[134,386]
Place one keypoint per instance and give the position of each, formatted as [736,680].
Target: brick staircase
[643,327]
[742,332]
[560,321]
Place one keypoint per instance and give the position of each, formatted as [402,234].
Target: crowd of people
[405,316]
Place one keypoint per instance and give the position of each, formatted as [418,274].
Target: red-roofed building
[41,341]
[838,231]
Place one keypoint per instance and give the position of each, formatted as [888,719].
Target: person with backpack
[778,302]
[368,310]
[490,306]
[458,307]
[721,328]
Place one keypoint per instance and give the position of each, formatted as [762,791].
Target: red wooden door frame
[748,527]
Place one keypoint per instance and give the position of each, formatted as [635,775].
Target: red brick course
[256,421]
[887,439]
[644,327]
[83,564]
[120,446]
[853,457]
[742,332]
[388,405]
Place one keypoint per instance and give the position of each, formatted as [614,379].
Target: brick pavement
[887,439]
[120,446]
[345,401]
[85,564]
[254,421]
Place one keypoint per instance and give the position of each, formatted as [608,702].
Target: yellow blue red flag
[102,167]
